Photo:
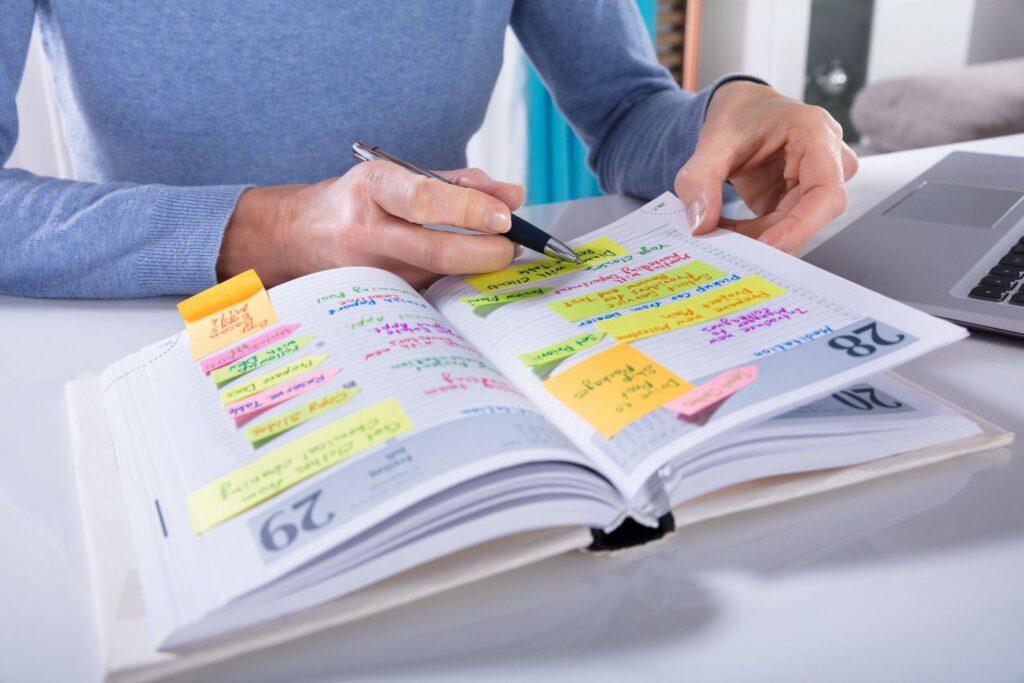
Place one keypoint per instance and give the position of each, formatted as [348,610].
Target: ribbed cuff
[186,228]
[709,92]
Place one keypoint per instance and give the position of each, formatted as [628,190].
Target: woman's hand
[786,159]
[372,216]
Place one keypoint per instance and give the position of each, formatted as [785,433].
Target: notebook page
[374,342]
[687,309]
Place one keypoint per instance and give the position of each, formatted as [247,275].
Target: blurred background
[897,74]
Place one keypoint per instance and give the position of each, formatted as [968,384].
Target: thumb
[699,187]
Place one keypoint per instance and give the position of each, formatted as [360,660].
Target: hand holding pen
[373,215]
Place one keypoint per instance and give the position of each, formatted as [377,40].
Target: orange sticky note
[616,387]
[226,313]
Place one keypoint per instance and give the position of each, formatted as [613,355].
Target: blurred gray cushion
[979,101]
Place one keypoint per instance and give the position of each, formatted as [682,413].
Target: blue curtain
[557,160]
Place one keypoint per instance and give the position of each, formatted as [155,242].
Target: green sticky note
[258,360]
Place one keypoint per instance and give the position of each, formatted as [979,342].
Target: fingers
[510,194]
[421,200]
[850,163]
[699,185]
[446,253]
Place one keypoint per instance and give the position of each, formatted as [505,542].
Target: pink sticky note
[714,390]
[247,347]
[248,408]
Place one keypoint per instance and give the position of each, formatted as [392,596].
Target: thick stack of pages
[376,432]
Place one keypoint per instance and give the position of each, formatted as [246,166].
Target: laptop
[950,242]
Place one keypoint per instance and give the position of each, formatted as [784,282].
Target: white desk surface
[917,577]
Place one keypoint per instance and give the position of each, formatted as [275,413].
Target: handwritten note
[637,292]
[562,350]
[484,304]
[707,306]
[591,253]
[716,389]
[248,347]
[226,313]
[258,383]
[252,406]
[268,475]
[279,424]
[259,360]
[616,387]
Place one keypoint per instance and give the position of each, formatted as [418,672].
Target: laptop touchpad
[978,207]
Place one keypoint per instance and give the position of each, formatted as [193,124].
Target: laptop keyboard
[1005,281]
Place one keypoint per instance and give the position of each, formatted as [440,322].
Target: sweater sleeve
[61,238]
[596,58]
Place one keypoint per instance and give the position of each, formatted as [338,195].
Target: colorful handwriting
[562,350]
[276,376]
[279,424]
[616,387]
[246,409]
[373,300]
[464,383]
[716,389]
[257,361]
[636,292]
[248,347]
[796,341]
[727,327]
[627,273]
[431,362]
[268,475]
[226,313]
[590,253]
[691,311]
[433,327]
[484,304]
[422,341]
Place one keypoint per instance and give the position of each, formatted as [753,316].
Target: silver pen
[521,232]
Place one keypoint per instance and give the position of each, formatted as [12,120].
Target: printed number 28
[855,346]
[282,535]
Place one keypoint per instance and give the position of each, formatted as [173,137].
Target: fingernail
[497,221]
[695,213]
[517,251]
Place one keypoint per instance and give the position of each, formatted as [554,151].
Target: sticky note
[485,303]
[259,360]
[226,313]
[696,309]
[616,387]
[714,390]
[270,474]
[637,292]
[254,385]
[279,424]
[593,252]
[562,350]
[252,406]
[249,346]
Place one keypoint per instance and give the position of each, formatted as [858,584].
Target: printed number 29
[282,535]
[857,347]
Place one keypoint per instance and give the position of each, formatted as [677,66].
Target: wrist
[256,235]
[734,92]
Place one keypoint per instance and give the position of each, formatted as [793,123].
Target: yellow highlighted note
[485,303]
[226,313]
[615,388]
[597,251]
[279,424]
[254,385]
[268,475]
[697,309]
[637,292]
[561,350]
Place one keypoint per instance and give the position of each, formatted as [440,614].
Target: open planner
[357,431]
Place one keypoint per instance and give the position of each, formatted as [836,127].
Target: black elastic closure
[631,533]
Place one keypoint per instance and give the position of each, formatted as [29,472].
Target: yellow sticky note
[593,252]
[281,423]
[254,385]
[616,387]
[637,292]
[697,309]
[268,475]
[561,350]
[488,301]
[226,313]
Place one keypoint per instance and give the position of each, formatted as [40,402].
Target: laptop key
[989,293]
[1012,260]
[1007,271]
[998,282]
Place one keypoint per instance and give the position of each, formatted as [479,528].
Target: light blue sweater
[172,109]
